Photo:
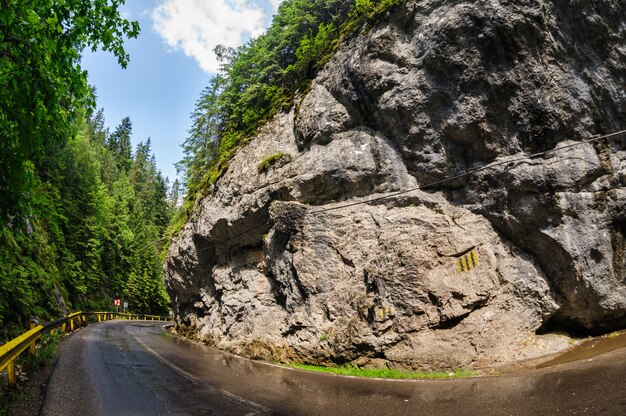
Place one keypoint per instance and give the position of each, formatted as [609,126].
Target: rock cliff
[317,258]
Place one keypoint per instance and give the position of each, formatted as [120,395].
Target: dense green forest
[97,215]
[82,215]
[261,78]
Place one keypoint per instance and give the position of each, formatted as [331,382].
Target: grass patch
[385,372]
[614,334]
[271,160]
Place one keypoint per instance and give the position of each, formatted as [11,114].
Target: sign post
[125,306]
[117,305]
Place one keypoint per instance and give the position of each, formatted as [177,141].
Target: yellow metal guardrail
[10,351]
[104,316]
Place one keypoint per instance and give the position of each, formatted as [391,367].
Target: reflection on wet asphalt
[589,349]
[136,368]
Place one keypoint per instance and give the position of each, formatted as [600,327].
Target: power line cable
[468,173]
[431,184]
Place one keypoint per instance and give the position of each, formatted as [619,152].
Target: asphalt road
[136,368]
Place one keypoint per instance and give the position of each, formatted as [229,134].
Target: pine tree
[118,144]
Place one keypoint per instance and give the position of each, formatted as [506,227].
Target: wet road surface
[136,368]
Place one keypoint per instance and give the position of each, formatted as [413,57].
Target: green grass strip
[385,372]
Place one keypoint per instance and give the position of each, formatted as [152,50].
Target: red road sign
[117,302]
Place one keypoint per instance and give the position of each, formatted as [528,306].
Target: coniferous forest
[82,214]
[97,212]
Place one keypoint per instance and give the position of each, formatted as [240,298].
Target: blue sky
[170,63]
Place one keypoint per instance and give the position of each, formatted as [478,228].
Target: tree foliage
[81,215]
[42,85]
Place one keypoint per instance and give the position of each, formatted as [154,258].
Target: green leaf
[33,18]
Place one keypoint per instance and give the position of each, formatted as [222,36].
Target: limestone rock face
[320,258]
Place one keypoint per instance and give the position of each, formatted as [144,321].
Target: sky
[171,62]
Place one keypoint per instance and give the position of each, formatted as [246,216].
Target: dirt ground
[28,397]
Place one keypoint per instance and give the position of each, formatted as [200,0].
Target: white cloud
[198,26]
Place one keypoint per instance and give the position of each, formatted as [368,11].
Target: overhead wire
[431,184]
[468,173]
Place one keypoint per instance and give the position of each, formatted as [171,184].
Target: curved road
[136,368]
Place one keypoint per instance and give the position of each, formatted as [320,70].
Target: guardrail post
[12,381]
[32,348]
[71,325]
[64,327]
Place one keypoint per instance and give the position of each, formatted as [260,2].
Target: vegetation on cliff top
[262,77]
